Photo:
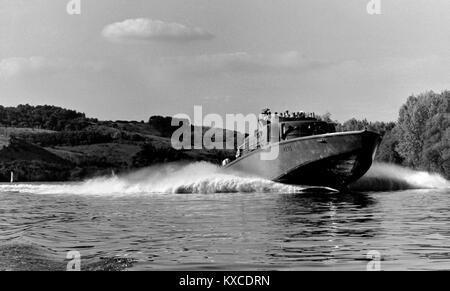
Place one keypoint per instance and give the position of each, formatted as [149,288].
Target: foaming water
[206,178]
[261,227]
[200,178]
[389,177]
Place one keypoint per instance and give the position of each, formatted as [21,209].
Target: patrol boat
[308,151]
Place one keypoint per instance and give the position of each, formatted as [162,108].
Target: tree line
[43,117]
[420,139]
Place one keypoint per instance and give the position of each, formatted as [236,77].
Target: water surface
[269,230]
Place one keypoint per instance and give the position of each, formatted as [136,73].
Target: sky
[130,59]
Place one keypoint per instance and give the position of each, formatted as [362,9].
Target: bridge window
[294,130]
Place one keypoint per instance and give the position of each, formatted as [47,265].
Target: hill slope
[65,145]
[31,163]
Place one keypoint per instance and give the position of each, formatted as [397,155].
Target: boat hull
[332,160]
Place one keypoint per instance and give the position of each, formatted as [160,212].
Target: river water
[195,218]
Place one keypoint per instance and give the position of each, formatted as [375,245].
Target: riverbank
[48,143]
[102,148]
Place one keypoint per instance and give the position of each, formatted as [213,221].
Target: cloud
[243,62]
[21,66]
[148,29]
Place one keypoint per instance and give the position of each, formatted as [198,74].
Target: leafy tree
[387,150]
[423,138]
[44,117]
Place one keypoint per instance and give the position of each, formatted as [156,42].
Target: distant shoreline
[49,143]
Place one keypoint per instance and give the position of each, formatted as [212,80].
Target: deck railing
[251,143]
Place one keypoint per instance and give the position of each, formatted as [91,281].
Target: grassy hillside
[65,145]
[7,132]
[32,163]
[4,141]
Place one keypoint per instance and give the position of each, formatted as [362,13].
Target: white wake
[385,177]
[201,178]
[206,178]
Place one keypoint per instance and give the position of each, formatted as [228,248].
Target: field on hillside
[6,132]
[49,143]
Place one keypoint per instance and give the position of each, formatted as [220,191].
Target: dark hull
[332,160]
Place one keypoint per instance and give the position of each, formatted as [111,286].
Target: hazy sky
[129,59]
